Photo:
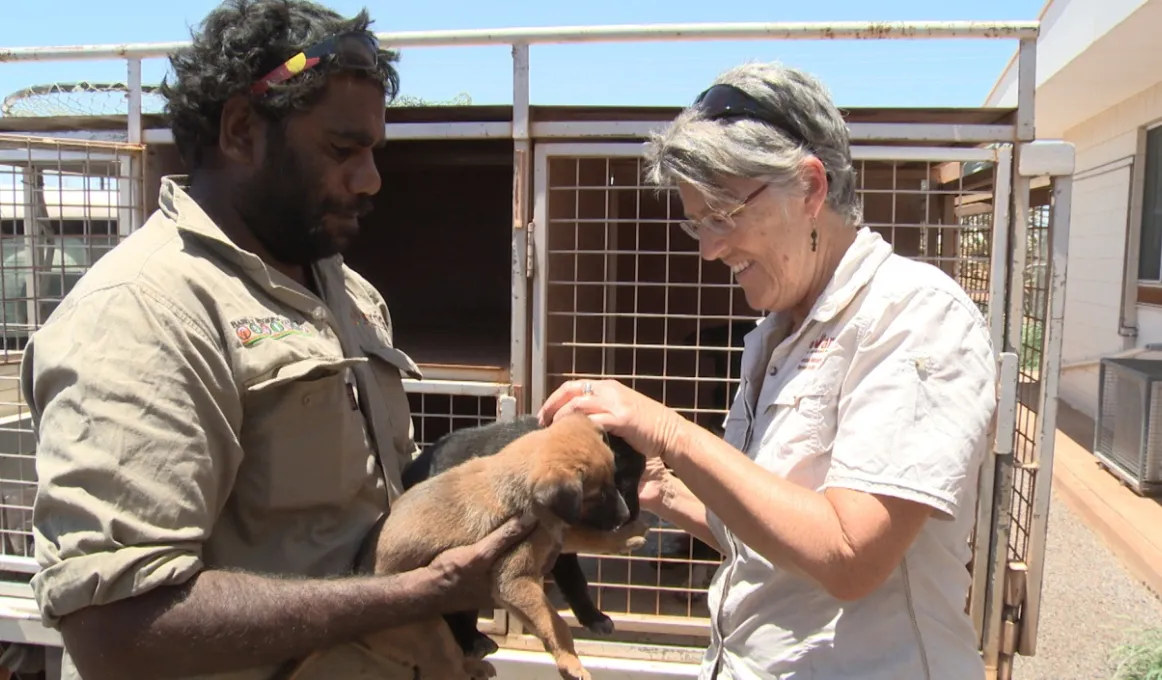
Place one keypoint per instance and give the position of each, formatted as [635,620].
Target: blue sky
[859,73]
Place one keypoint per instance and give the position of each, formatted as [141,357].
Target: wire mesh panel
[434,414]
[623,293]
[63,205]
[1034,282]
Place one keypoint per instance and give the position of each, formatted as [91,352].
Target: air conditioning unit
[1127,437]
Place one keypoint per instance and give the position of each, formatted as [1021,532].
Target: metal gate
[620,292]
[63,204]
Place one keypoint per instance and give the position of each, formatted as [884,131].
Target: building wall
[1097,245]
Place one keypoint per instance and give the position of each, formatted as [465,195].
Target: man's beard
[282,208]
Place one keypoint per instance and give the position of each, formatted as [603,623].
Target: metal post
[521,254]
[1001,525]
[1026,89]
[998,279]
[32,179]
[134,117]
[131,181]
[1019,238]
[1002,197]
[522,260]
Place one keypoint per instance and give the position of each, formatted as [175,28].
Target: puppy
[563,474]
[462,445]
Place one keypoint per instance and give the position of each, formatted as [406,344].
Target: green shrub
[1140,659]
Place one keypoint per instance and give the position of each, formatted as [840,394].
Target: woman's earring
[814,236]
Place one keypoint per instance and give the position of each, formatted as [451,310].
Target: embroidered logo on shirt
[360,318]
[251,331]
[816,352]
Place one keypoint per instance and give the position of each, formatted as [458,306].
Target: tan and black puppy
[464,444]
[563,474]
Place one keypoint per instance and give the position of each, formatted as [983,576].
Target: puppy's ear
[561,495]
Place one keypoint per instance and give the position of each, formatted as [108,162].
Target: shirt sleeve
[136,414]
[916,408]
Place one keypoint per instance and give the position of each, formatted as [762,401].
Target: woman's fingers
[559,398]
[589,406]
[564,396]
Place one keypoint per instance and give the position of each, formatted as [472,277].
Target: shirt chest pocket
[304,437]
[800,421]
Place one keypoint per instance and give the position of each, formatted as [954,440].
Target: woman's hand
[643,423]
[654,486]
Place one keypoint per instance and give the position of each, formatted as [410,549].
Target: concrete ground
[1090,604]
[1103,564]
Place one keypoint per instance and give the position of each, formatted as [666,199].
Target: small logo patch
[359,318]
[251,331]
[816,352]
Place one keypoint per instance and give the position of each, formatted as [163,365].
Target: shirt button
[774,370]
[318,314]
[306,400]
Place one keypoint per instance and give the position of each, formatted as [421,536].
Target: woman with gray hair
[842,494]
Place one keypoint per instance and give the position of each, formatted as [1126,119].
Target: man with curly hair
[219,404]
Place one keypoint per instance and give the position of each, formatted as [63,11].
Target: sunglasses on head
[725,102]
[349,50]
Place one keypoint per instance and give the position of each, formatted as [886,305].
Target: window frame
[1148,291]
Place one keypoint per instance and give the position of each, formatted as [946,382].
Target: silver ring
[587,388]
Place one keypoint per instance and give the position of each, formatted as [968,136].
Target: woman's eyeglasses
[719,223]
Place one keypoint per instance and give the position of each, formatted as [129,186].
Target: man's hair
[240,42]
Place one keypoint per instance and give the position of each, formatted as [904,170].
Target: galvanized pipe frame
[622,130]
[839,30]
[526,254]
[638,651]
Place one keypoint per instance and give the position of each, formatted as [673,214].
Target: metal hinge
[530,252]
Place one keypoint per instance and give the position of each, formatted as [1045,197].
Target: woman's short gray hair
[703,152]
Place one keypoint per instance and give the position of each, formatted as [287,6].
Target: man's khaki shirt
[196,409]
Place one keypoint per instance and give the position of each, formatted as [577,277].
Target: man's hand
[463,575]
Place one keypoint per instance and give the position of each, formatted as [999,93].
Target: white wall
[1068,29]
[1097,245]
[1090,55]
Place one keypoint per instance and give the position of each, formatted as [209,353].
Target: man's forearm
[227,620]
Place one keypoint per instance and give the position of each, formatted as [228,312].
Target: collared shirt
[888,387]
[197,409]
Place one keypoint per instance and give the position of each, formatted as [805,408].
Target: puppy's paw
[482,646]
[601,625]
[635,543]
[571,669]
[633,535]
[479,669]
